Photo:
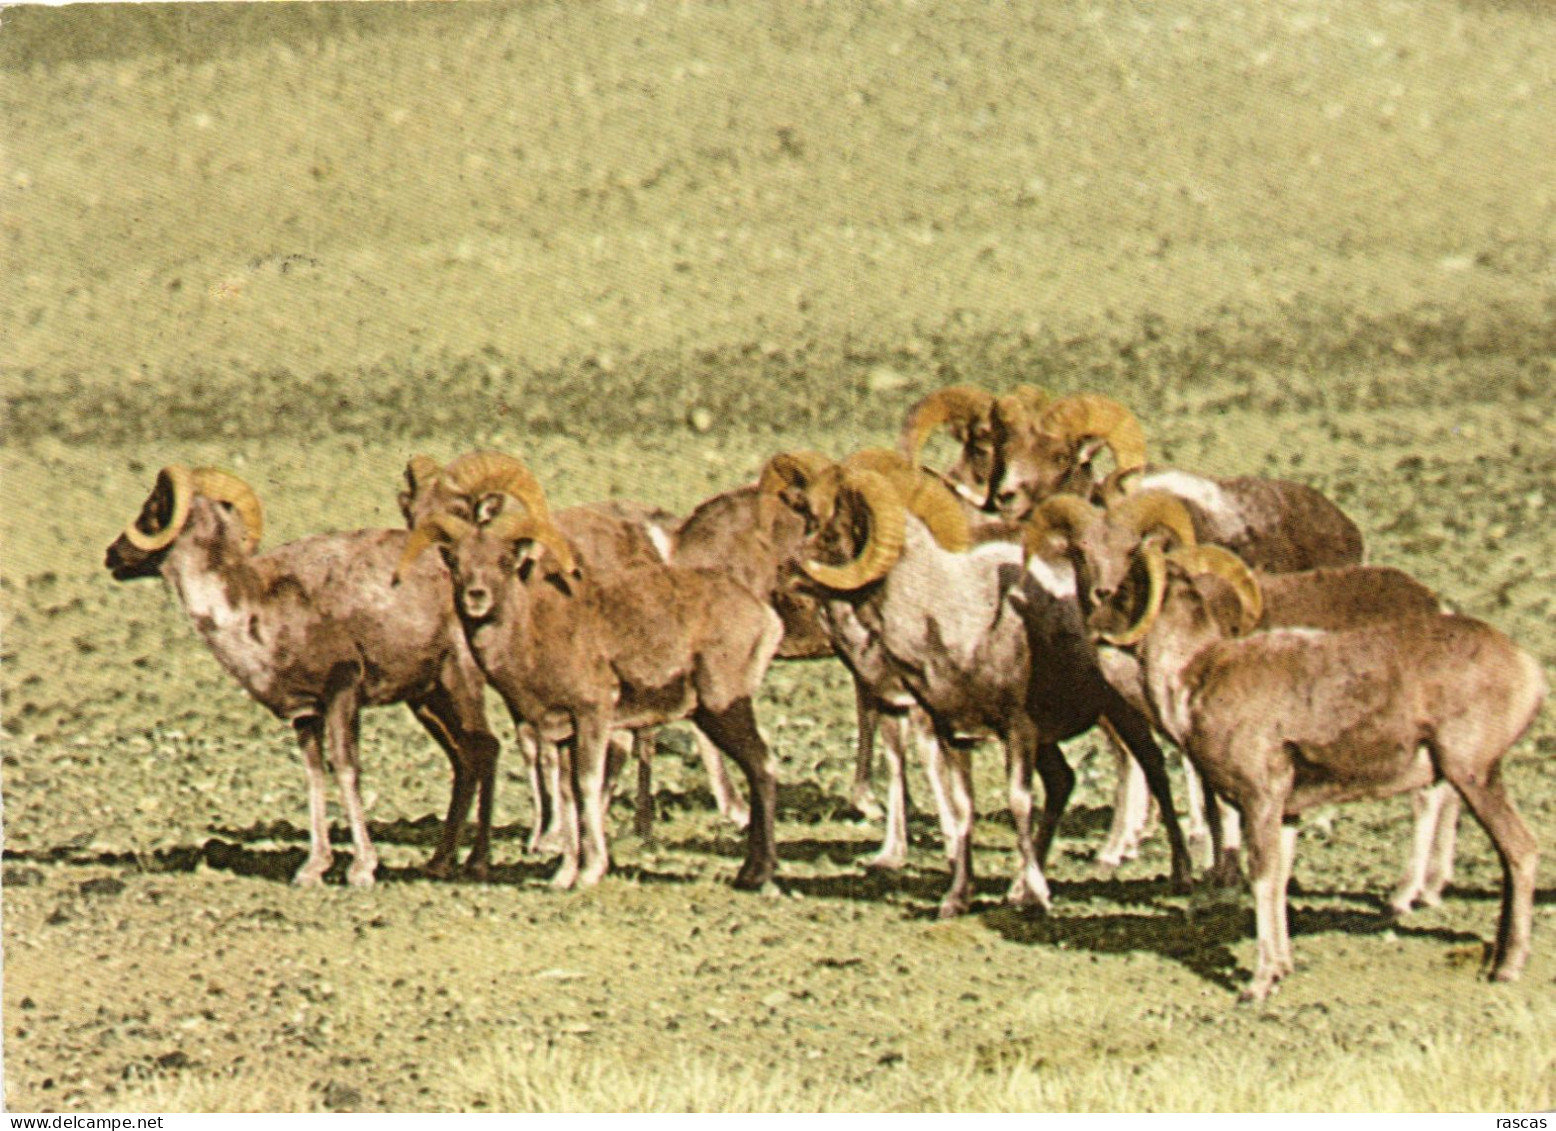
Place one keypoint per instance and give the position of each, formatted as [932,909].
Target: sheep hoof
[478,870]
[753,877]
[1507,973]
[869,808]
[361,877]
[310,876]
[1225,873]
[952,908]
[887,862]
[739,816]
[437,868]
[547,844]
[566,877]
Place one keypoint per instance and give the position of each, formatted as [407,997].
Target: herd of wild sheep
[1019,594]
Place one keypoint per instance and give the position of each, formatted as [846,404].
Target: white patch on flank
[661,540]
[1203,493]
[1057,578]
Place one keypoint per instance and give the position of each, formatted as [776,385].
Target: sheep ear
[528,560]
[487,507]
[1088,449]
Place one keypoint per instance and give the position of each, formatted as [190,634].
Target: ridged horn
[1062,514]
[785,470]
[224,486]
[513,527]
[888,532]
[1083,415]
[178,481]
[1148,510]
[1222,563]
[1021,407]
[481,473]
[438,529]
[1156,591]
[421,470]
[926,495]
[955,404]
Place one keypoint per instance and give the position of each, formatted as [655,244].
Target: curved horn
[1156,591]
[531,527]
[1062,514]
[1230,568]
[888,532]
[785,470]
[1023,405]
[421,470]
[178,481]
[1119,484]
[1148,510]
[224,486]
[956,404]
[1081,415]
[480,473]
[439,529]
[926,495]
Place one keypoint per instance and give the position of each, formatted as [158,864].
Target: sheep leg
[867,713]
[1197,797]
[565,804]
[1058,784]
[1520,857]
[1131,809]
[1030,886]
[1434,807]
[643,746]
[310,736]
[341,730]
[894,849]
[957,820]
[1439,872]
[1263,819]
[1134,732]
[1225,838]
[733,730]
[593,753]
[730,804]
[1426,806]
[1289,831]
[472,752]
[939,781]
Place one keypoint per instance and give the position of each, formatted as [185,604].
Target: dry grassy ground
[646,246]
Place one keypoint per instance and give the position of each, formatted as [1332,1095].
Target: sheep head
[138,551]
[474,486]
[1210,572]
[483,558]
[863,536]
[1038,454]
[798,480]
[964,409]
[421,497]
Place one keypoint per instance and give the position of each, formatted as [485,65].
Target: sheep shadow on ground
[1199,938]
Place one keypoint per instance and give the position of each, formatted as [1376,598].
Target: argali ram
[604,537]
[982,647]
[315,631]
[1282,720]
[577,656]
